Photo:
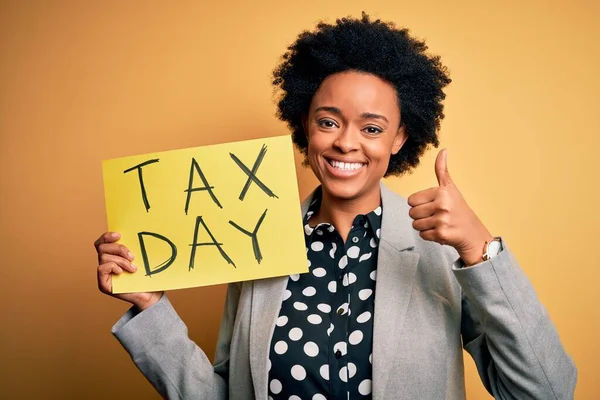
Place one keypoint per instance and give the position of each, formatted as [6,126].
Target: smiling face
[353,128]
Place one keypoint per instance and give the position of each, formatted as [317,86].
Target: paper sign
[207,215]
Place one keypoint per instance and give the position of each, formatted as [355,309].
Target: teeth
[346,166]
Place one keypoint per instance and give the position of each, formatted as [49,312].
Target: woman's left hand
[442,215]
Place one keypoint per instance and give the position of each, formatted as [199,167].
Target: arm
[158,343]
[509,334]
[504,326]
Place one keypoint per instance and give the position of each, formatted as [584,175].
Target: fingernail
[131,257]
[134,266]
[115,234]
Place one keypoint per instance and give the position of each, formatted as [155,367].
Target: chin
[343,191]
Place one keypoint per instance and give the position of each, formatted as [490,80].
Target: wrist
[474,254]
[147,301]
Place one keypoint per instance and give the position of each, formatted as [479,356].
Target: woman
[395,288]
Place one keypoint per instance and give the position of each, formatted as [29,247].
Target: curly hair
[372,47]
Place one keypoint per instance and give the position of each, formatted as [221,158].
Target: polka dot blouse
[323,339]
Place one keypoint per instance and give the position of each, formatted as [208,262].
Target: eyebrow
[334,110]
[373,116]
[366,115]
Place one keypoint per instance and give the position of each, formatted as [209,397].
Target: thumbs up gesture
[442,215]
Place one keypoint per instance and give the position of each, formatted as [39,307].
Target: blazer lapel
[267,296]
[396,268]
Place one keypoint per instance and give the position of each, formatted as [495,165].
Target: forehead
[354,91]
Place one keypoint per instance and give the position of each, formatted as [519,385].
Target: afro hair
[372,47]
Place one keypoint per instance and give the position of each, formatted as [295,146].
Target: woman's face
[353,128]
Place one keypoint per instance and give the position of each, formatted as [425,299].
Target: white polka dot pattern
[281,347]
[311,349]
[343,262]
[295,334]
[275,386]
[342,347]
[332,287]
[326,308]
[324,372]
[351,370]
[319,272]
[365,387]
[330,329]
[333,249]
[364,317]
[322,343]
[298,372]
[316,246]
[353,252]
[300,306]
[365,257]
[344,374]
[355,337]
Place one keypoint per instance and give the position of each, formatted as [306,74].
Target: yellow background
[84,81]
[166,182]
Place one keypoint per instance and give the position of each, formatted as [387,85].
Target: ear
[399,139]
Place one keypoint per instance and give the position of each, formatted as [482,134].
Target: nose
[347,140]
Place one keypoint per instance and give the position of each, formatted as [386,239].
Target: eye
[373,130]
[327,123]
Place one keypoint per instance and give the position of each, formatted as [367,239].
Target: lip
[340,173]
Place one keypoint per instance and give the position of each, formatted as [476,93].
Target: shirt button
[355,239]
[338,354]
[340,311]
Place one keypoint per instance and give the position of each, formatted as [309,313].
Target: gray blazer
[426,310]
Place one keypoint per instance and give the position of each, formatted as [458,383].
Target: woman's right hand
[113,259]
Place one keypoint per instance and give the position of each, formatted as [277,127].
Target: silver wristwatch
[492,248]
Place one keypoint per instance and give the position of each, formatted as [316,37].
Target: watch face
[494,248]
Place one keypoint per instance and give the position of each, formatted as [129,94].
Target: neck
[341,212]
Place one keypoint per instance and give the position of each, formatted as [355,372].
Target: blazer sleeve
[158,343]
[509,334]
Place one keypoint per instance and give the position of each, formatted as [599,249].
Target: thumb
[441,169]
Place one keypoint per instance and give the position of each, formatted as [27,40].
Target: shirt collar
[373,218]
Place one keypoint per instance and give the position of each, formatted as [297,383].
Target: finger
[422,197]
[423,211]
[108,237]
[429,235]
[105,273]
[441,168]
[424,224]
[120,261]
[109,268]
[115,249]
